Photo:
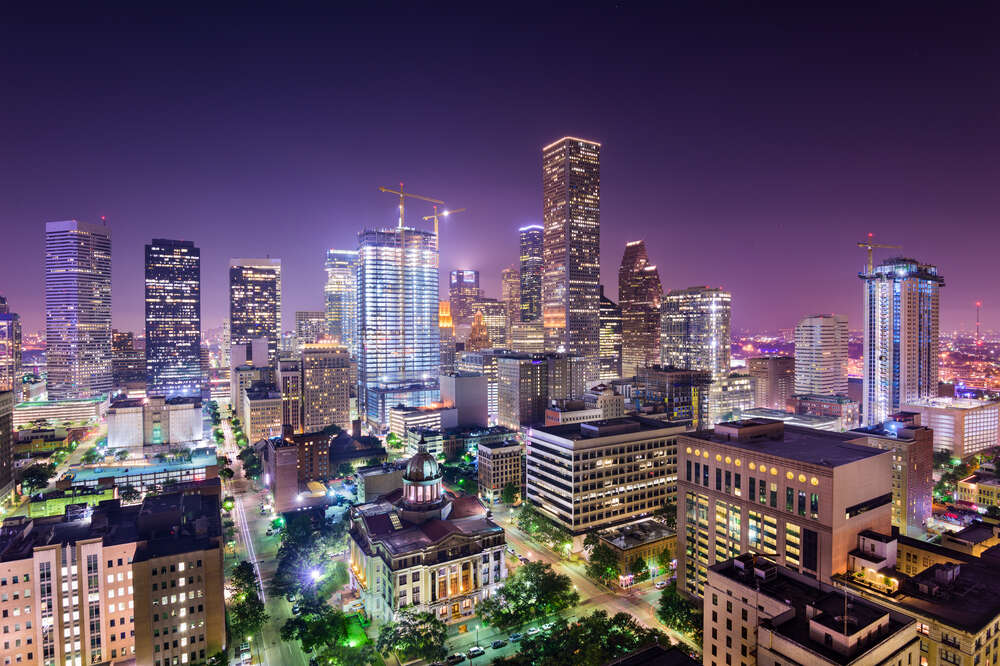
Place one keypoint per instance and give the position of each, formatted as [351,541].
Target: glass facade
[531,272]
[695,330]
[611,339]
[340,294]
[639,296]
[173,318]
[10,348]
[255,303]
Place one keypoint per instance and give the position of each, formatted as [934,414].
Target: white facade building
[821,355]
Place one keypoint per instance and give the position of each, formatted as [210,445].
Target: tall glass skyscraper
[611,339]
[571,248]
[463,292]
[532,266]
[639,296]
[77,309]
[901,336]
[399,350]
[173,318]
[10,348]
[695,331]
[341,297]
[255,304]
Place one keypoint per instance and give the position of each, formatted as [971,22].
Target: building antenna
[979,339]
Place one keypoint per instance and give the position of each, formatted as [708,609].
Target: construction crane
[402,200]
[869,244]
[444,213]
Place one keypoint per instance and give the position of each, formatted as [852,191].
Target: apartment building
[262,412]
[500,463]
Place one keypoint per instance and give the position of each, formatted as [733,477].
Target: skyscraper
[77,309]
[10,348]
[173,318]
[610,339]
[464,292]
[532,266]
[639,296]
[255,304]
[494,318]
[821,355]
[326,395]
[571,212]
[341,297]
[695,332]
[510,296]
[399,350]
[774,380]
[901,336]
[310,327]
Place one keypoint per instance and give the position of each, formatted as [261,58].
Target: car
[456,658]
[532,631]
[660,584]
[548,626]
[476,651]
[515,637]
[269,532]
[510,550]
[496,645]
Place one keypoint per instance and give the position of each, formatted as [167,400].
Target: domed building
[420,545]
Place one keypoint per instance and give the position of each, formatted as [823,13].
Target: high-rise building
[399,349]
[571,212]
[494,319]
[128,363]
[7,400]
[797,495]
[610,339]
[446,333]
[482,362]
[695,332]
[262,412]
[479,336]
[527,337]
[730,396]
[510,296]
[326,396]
[774,380]
[310,327]
[341,292]
[173,318]
[900,346]
[255,304]
[77,309]
[10,348]
[821,355]
[463,292]
[290,383]
[532,268]
[639,296]
[680,395]
[527,382]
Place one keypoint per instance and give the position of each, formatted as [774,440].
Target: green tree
[664,559]
[243,578]
[993,512]
[128,494]
[36,477]
[121,454]
[371,462]
[226,473]
[595,639]
[415,635]
[678,614]
[509,494]
[345,469]
[531,521]
[247,615]
[669,514]
[534,590]
[320,627]
[91,456]
[252,466]
[603,564]
[393,440]
[639,569]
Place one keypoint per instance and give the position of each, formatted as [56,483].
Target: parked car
[510,549]
[476,651]
[533,631]
[660,584]
[456,658]
[548,626]
[269,532]
[515,637]
[496,645]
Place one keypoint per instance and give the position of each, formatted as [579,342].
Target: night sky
[751,149]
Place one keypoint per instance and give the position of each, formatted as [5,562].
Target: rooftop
[502,444]
[625,537]
[199,458]
[607,428]
[952,403]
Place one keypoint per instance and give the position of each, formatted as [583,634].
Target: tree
[665,558]
[531,521]
[345,469]
[415,634]
[128,494]
[532,591]
[252,466]
[247,615]
[596,639]
[371,462]
[591,540]
[91,456]
[121,454]
[639,569]
[669,514]
[603,564]
[226,473]
[993,512]
[509,494]
[677,613]
[393,440]
[243,578]
[37,477]
[321,627]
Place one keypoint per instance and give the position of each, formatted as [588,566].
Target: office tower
[341,292]
[242,378]
[77,309]
[225,346]
[479,336]
[173,318]
[757,612]
[695,332]
[494,319]
[482,362]
[639,295]
[774,380]
[463,292]
[900,346]
[680,395]
[527,382]
[527,337]
[821,355]
[255,304]
[912,467]
[10,348]
[795,494]
[532,268]
[446,333]
[310,327]
[262,412]
[326,396]
[499,464]
[290,384]
[510,296]
[571,249]
[128,364]
[610,339]
[7,401]
[400,352]
[631,454]
[962,426]
[466,392]
[730,396]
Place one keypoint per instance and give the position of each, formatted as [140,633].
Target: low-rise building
[55,503]
[500,463]
[201,464]
[155,421]
[377,480]
[845,410]
[644,540]
[980,489]
[262,412]
[730,396]
[436,417]
[78,412]
[830,423]
[962,426]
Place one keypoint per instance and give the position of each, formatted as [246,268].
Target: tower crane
[402,200]
[869,244]
[444,213]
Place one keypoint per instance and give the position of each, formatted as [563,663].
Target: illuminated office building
[310,327]
[173,318]
[571,212]
[639,296]
[326,395]
[398,321]
[900,347]
[695,333]
[610,339]
[532,266]
[510,296]
[255,304]
[463,292]
[494,319]
[77,309]
[774,380]
[341,297]
[10,348]
[821,355]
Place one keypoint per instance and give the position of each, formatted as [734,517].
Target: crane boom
[869,244]
[402,197]
[444,213]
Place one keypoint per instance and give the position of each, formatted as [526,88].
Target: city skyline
[899,164]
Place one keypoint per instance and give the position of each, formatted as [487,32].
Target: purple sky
[750,150]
